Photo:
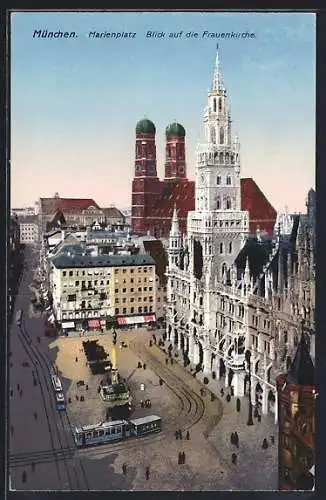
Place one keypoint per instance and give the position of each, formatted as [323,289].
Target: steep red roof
[52,205]
[261,212]
[179,193]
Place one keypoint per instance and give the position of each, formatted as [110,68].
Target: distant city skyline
[75,101]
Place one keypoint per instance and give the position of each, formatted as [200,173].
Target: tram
[19,317]
[60,402]
[116,430]
[56,382]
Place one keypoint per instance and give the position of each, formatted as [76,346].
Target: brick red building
[153,200]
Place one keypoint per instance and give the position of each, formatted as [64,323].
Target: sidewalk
[256,468]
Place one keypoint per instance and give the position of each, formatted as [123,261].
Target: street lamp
[247,358]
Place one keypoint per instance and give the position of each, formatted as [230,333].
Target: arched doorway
[258,394]
[246,384]
[230,377]
[201,353]
[182,342]
[271,401]
[222,368]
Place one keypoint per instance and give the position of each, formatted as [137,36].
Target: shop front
[135,321]
[68,328]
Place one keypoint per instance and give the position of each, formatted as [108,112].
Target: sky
[75,101]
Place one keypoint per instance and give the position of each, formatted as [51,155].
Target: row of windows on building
[103,296]
[91,272]
[217,158]
[118,311]
[227,205]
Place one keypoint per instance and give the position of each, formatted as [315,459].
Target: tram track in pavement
[66,452]
[183,420]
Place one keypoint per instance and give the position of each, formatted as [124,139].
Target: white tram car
[116,430]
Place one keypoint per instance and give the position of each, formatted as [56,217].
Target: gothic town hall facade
[230,292]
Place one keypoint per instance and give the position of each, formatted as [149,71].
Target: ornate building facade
[231,293]
[153,199]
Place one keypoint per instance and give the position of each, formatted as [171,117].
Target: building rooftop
[50,206]
[72,261]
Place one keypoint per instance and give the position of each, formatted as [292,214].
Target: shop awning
[94,323]
[133,320]
[68,324]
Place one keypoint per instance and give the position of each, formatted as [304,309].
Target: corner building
[230,291]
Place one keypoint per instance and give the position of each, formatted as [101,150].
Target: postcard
[161,288]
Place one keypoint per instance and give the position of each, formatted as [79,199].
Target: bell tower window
[221,135]
[214,105]
[220,104]
[213,135]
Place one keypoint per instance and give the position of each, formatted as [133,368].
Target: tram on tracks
[60,401]
[19,317]
[116,430]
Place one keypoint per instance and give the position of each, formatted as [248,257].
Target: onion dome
[145,126]
[175,129]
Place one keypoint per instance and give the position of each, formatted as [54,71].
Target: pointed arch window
[218,180]
[220,104]
[228,204]
[218,204]
[224,269]
[221,247]
[214,105]
[230,247]
[213,135]
[228,180]
[221,135]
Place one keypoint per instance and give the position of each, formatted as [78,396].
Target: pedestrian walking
[180,434]
[188,436]
[234,458]
[147,473]
[124,469]
[76,359]
[144,366]
[176,435]
[265,444]
[179,458]
[232,438]
[183,458]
